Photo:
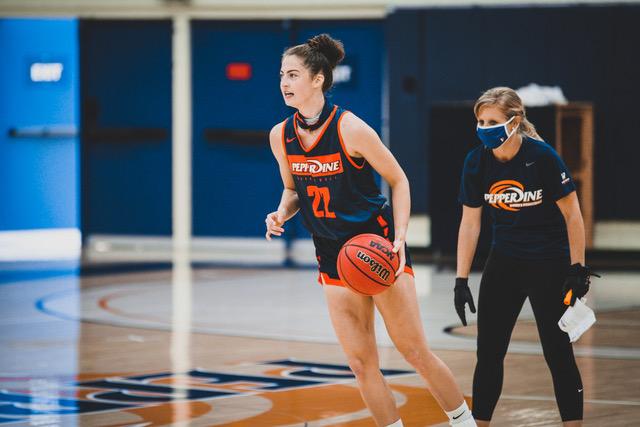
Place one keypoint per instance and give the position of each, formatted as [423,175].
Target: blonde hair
[508,101]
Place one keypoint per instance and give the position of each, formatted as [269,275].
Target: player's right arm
[289,205]
[468,239]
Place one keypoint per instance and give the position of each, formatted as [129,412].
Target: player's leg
[399,308]
[352,319]
[499,303]
[545,287]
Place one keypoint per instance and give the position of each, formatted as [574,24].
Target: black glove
[577,281]
[463,296]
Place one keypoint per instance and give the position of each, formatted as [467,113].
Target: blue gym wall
[235,177]
[126,119]
[126,127]
[442,55]
[434,56]
[39,185]
[235,183]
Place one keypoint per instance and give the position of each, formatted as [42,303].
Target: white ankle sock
[396,424]
[461,416]
[469,422]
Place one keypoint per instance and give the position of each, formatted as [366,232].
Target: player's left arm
[570,208]
[558,185]
[361,140]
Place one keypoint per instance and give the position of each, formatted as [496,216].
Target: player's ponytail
[528,128]
[320,54]
[508,101]
[332,49]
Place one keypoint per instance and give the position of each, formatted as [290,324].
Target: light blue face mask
[496,135]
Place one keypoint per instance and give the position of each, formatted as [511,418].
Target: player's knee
[420,358]
[362,366]
[560,363]
[413,357]
[552,361]
[490,356]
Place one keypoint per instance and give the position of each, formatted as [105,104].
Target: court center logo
[274,393]
[510,195]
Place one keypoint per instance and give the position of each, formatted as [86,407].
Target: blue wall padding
[39,177]
[126,90]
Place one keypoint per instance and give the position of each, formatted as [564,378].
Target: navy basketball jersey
[337,193]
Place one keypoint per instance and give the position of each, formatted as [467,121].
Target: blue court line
[40,305]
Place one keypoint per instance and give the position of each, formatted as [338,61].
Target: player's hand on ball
[462,296]
[398,248]
[274,222]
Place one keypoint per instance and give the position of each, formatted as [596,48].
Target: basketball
[367,264]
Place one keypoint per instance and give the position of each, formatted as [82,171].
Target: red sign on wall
[238,71]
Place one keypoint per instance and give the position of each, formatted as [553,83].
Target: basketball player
[537,250]
[326,157]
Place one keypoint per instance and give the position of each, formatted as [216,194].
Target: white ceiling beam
[252,9]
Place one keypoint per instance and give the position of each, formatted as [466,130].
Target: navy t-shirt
[521,196]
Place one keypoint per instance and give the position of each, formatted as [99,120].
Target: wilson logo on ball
[374,265]
[382,248]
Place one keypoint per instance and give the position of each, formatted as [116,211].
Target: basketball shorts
[327,249]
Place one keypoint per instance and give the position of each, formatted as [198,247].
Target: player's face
[296,84]
[491,115]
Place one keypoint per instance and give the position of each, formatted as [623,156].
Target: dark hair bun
[332,49]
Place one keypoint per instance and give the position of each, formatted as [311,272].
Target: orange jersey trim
[325,126]
[344,148]
[381,221]
[324,279]
[284,147]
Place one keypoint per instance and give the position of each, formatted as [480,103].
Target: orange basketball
[367,264]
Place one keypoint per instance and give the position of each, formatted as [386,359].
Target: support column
[181,133]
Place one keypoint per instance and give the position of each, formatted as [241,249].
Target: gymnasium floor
[254,347]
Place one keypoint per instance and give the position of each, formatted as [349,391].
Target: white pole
[182,275]
[181,133]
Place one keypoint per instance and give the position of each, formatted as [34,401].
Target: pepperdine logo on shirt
[510,195]
[330,164]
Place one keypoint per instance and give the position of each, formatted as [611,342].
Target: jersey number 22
[320,194]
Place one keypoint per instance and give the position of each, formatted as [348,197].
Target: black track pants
[506,283]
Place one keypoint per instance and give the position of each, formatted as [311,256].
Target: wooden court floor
[132,349]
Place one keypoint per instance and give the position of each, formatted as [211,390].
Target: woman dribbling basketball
[326,157]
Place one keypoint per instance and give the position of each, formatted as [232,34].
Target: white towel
[577,320]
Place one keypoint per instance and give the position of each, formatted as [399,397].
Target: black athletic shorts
[327,249]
